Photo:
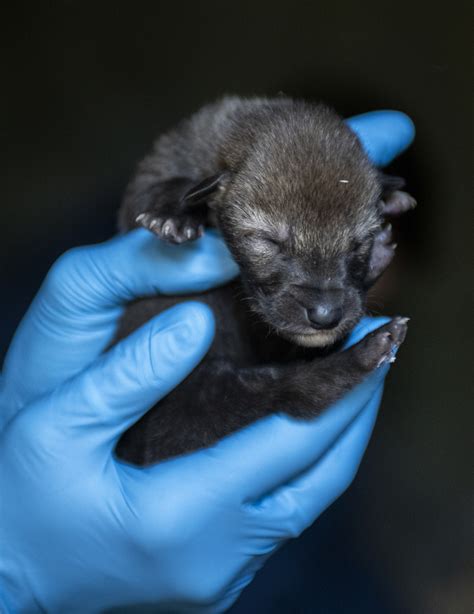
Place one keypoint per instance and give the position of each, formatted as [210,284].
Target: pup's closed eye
[266,244]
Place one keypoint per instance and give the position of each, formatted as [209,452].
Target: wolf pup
[302,210]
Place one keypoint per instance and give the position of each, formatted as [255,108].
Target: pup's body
[301,209]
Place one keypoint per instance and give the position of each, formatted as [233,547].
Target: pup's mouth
[310,337]
[314,338]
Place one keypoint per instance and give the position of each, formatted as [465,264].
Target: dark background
[87,86]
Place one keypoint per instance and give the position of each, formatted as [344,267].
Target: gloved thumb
[98,405]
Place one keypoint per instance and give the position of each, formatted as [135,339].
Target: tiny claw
[167,228]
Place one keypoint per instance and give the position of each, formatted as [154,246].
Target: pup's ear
[390,183]
[383,251]
[199,193]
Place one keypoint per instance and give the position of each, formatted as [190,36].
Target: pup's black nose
[325,316]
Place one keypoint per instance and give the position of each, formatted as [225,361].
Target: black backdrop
[85,88]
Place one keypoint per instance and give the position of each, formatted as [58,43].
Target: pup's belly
[189,416]
[233,339]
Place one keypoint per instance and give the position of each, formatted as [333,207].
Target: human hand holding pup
[83,532]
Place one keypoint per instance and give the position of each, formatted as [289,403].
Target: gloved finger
[383,134]
[93,409]
[295,506]
[74,316]
[272,451]
[138,264]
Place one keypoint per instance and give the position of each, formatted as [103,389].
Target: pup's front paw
[380,345]
[171,229]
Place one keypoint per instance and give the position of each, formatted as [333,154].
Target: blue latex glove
[83,532]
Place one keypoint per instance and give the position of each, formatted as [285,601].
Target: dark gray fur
[302,210]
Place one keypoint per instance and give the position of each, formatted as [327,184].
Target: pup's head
[299,215]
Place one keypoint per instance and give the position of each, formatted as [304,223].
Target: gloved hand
[83,532]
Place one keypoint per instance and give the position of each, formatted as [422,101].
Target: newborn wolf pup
[302,211]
